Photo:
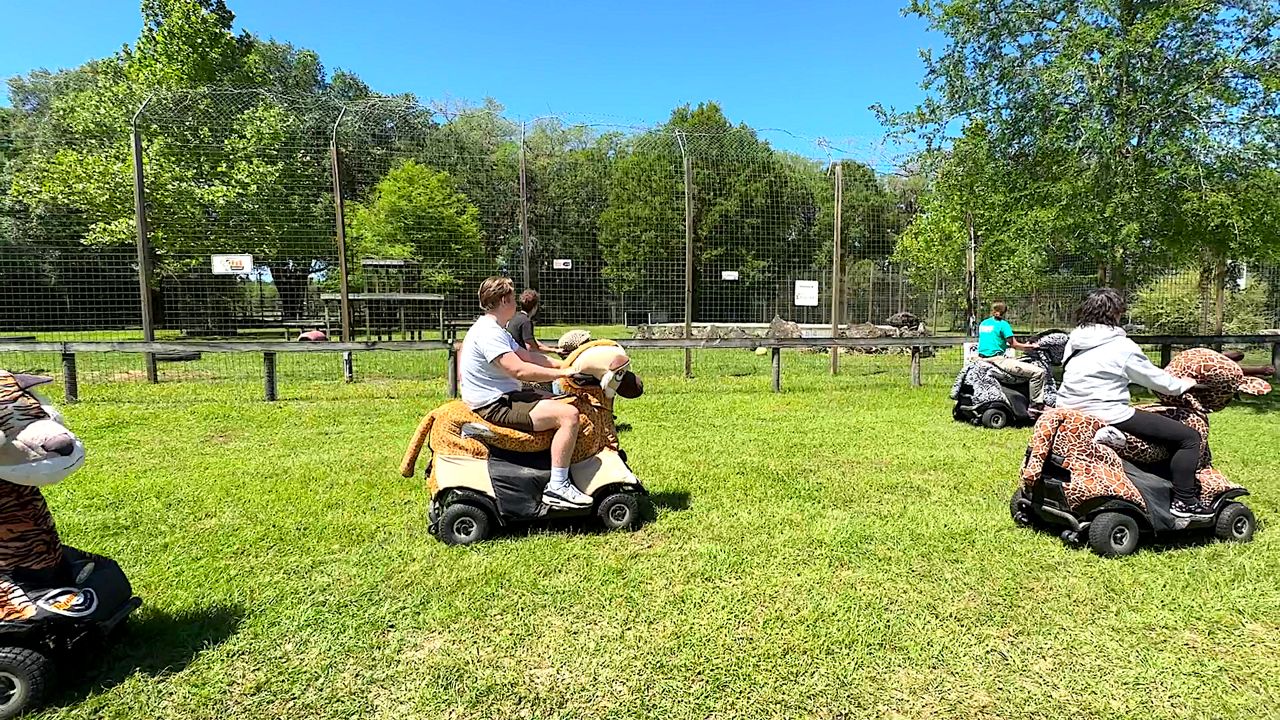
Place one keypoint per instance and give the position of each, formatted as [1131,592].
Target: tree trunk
[290,279]
[1205,291]
[1220,295]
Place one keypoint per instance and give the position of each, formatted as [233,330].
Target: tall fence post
[144,245]
[524,213]
[971,279]
[836,263]
[340,223]
[70,380]
[871,292]
[688,254]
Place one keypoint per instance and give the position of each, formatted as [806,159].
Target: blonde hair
[493,290]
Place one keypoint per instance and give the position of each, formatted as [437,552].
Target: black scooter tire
[29,672]
[1113,534]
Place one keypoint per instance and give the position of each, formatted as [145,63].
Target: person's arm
[517,367]
[1139,369]
[537,358]
[1007,330]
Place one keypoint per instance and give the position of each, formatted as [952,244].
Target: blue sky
[807,67]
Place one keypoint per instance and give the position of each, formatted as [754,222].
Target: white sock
[559,476]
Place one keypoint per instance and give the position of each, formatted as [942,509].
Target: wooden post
[340,226]
[871,291]
[971,279]
[269,376]
[340,223]
[524,214]
[451,371]
[70,382]
[688,257]
[1275,360]
[915,366]
[1166,354]
[144,246]
[836,297]
[777,368]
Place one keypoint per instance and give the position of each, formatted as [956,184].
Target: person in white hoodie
[1100,361]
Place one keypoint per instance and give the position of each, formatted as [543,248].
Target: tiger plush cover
[36,449]
[1097,468]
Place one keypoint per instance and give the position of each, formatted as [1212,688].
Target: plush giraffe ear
[26,382]
[1254,386]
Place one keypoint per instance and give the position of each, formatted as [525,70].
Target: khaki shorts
[513,410]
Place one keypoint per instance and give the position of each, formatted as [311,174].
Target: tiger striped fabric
[28,537]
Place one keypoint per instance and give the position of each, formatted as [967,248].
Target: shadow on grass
[154,644]
[1263,403]
[1165,542]
[653,505]
[669,500]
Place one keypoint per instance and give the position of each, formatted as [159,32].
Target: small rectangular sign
[807,293]
[728,274]
[562,264]
[232,264]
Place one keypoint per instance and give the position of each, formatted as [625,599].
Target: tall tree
[238,171]
[1103,111]
[417,214]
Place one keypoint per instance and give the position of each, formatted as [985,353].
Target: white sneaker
[566,494]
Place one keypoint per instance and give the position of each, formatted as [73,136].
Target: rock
[863,330]
[780,328]
[903,320]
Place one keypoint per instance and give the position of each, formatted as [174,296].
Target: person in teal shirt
[995,336]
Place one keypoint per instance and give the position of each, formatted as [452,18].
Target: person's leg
[1185,444]
[563,418]
[1034,374]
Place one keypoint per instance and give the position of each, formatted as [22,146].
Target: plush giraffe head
[607,363]
[1221,379]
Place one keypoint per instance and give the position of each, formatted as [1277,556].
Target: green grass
[841,550]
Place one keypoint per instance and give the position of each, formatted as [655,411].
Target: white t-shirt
[481,381]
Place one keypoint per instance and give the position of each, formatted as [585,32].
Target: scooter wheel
[463,524]
[619,511]
[1021,515]
[995,418]
[1235,523]
[1113,534]
[24,675]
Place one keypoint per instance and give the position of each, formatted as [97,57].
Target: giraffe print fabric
[1097,471]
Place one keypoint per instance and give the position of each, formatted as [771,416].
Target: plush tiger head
[35,447]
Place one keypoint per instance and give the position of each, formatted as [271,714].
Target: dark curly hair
[1103,306]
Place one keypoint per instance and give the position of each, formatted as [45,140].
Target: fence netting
[250,198]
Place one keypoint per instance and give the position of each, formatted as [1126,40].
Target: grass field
[841,550]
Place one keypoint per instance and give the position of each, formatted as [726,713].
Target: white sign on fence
[562,264]
[728,274]
[807,293]
[232,264]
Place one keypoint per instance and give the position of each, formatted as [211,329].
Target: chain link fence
[265,217]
